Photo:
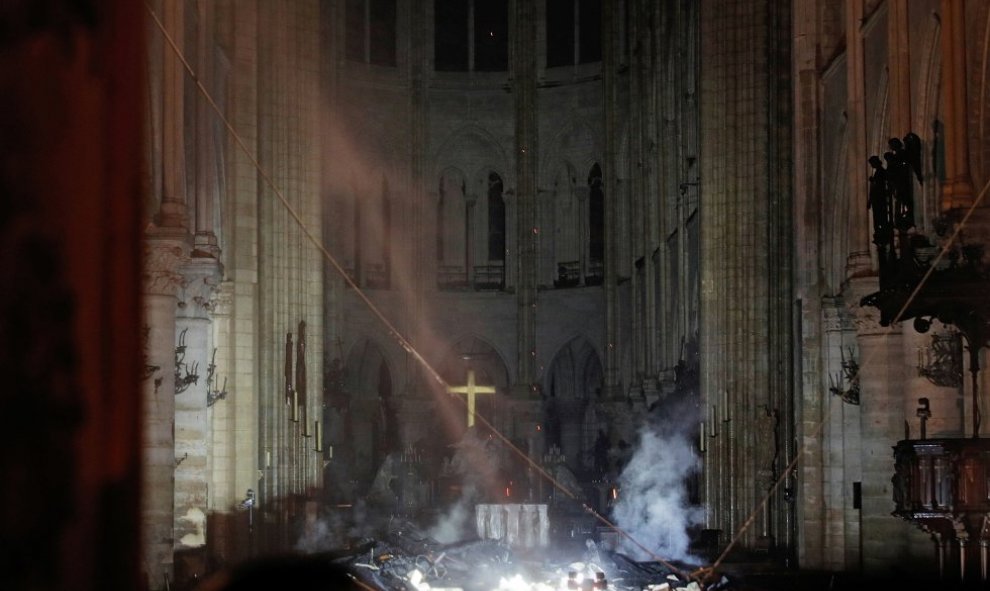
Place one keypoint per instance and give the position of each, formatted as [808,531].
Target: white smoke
[452,526]
[652,505]
[476,465]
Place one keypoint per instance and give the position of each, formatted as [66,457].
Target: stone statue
[879,203]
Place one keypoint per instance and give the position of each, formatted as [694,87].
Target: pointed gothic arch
[452,215]
[572,384]
[373,426]
[477,354]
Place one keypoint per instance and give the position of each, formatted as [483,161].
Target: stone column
[527,149]
[161,281]
[220,416]
[859,262]
[173,206]
[883,538]
[194,338]
[957,192]
[612,109]
[745,302]
[205,240]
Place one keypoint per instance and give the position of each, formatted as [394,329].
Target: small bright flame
[615,492]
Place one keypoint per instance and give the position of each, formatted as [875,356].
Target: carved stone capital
[867,321]
[200,279]
[162,260]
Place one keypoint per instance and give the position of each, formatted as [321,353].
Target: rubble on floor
[406,559]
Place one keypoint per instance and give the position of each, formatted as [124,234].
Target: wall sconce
[212,393]
[845,385]
[941,361]
[182,382]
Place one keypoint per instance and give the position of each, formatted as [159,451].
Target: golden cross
[471,389]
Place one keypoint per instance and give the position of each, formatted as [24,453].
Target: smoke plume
[652,505]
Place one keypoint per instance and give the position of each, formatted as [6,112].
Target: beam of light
[698,574]
[392,330]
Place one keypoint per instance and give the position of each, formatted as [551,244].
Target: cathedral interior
[698,283]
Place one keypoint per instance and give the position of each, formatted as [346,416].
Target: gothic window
[596,223]
[370,34]
[566,230]
[496,219]
[573,381]
[373,221]
[452,230]
[343,230]
[471,35]
[491,36]
[573,32]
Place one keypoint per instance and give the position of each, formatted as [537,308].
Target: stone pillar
[173,212]
[957,192]
[163,257]
[883,538]
[611,57]
[220,417]
[859,261]
[527,149]
[899,67]
[194,339]
[204,239]
[745,303]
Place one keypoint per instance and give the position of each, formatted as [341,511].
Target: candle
[268,459]
[295,406]
[319,435]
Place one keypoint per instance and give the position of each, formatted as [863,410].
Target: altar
[520,525]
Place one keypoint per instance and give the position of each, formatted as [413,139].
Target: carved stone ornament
[161,264]
[866,320]
[196,295]
[835,315]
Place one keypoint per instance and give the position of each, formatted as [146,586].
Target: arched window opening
[450,35]
[492,274]
[567,230]
[596,227]
[573,32]
[370,33]
[379,234]
[452,232]
[471,35]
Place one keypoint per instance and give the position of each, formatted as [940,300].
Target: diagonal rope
[698,575]
[821,424]
[393,331]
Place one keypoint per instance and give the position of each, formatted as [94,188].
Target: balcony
[489,277]
[943,487]
[451,278]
